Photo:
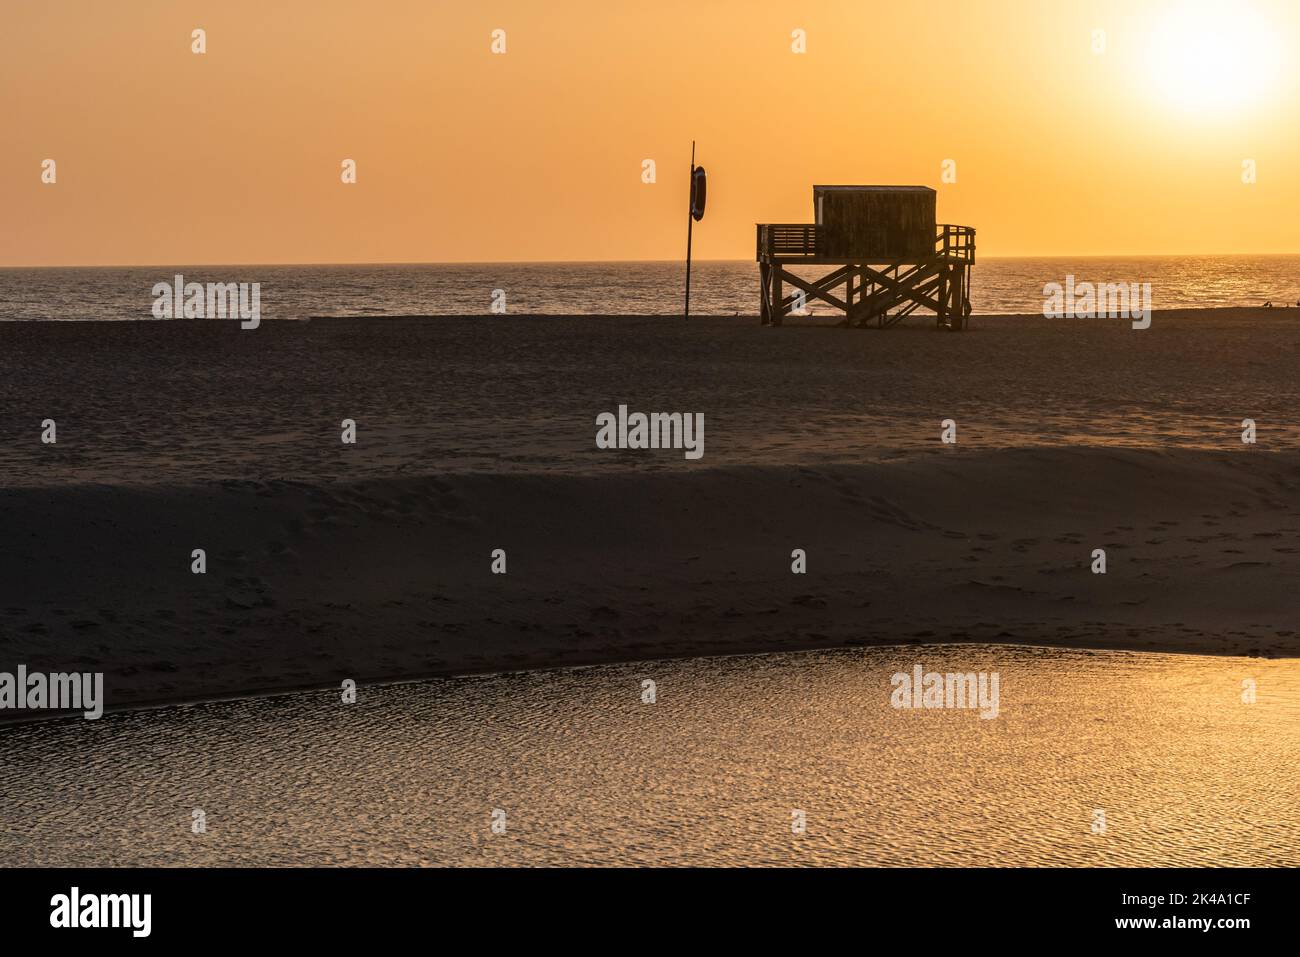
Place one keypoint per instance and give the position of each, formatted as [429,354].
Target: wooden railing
[956,242]
[787,240]
[807,241]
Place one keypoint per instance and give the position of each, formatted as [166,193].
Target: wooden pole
[690,221]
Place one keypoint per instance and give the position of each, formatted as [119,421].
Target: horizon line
[601,262]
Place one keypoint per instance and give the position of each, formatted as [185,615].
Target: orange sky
[234,156]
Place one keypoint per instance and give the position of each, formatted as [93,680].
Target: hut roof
[880,189]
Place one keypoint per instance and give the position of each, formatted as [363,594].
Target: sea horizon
[1011,285]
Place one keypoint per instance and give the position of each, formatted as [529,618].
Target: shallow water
[651,288]
[711,773]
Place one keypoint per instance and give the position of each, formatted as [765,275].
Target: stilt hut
[891,258]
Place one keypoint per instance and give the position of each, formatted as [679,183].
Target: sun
[1212,57]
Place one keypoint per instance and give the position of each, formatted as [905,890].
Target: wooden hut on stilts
[891,258]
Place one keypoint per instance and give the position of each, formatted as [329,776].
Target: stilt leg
[778,310]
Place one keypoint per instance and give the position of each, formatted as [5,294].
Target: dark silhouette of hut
[892,258]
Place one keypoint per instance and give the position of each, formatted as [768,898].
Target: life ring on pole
[699,191]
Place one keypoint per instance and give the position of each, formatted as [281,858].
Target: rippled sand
[1185,772]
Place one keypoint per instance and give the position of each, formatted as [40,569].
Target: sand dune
[309,584]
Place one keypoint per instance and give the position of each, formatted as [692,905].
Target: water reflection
[1185,772]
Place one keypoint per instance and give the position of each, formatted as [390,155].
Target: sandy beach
[373,561]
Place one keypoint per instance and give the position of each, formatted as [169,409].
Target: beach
[374,561]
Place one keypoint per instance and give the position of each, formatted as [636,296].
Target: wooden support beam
[951,296]
[828,281]
[909,285]
[874,293]
[777,305]
[945,295]
[818,290]
[960,300]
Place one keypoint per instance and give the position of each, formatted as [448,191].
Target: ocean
[718,288]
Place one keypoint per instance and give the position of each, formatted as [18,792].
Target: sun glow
[1213,57]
